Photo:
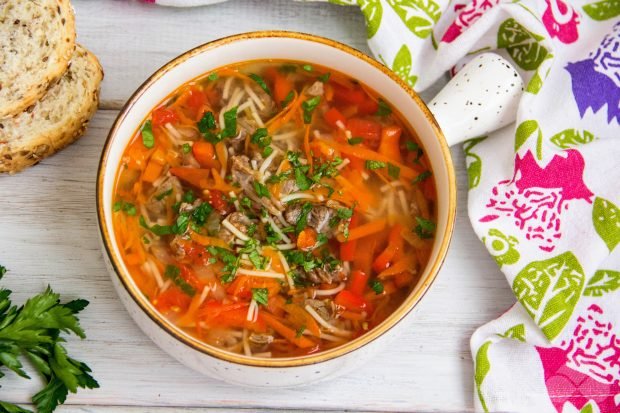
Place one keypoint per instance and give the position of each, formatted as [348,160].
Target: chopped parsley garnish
[261,190]
[164,194]
[261,138]
[260,295]
[251,230]
[300,331]
[376,286]
[230,123]
[288,68]
[274,179]
[414,147]
[148,139]
[187,148]
[189,197]
[355,141]
[344,213]
[126,207]
[173,273]
[272,236]
[423,176]
[425,228]
[206,123]
[261,82]
[301,179]
[201,213]
[393,171]
[307,68]
[372,165]
[288,98]
[384,109]
[302,220]
[245,202]
[156,229]
[324,77]
[230,261]
[213,76]
[308,107]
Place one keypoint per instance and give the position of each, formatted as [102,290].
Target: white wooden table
[48,234]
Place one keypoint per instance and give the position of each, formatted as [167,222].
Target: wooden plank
[48,234]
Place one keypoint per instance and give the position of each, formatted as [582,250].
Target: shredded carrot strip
[307,146]
[364,230]
[222,155]
[221,185]
[368,154]
[405,264]
[208,241]
[286,332]
[284,115]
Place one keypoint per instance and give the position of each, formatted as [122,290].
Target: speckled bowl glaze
[213,361]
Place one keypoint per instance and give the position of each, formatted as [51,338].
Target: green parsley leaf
[206,123]
[300,331]
[274,179]
[412,146]
[164,194]
[246,202]
[324,77]
[261,138]
[230,123]
[308,107]
[260,295]
[376,286]
[156,229]
[384,109]
[302,220]
[148,139]
[180,225]
[187,148]
[173,273]
[372,165]
[288,99]
[344,213]
[118,205]
[301,179]
[393,171]
[423,176]
[267,151]
[307,68]
[425,228]
[126,207]
[288,68]
[261,190]
[355,141]
[261,82]
[201,213]
[213,76]
[189,197]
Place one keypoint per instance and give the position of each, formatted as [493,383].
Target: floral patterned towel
[544,193]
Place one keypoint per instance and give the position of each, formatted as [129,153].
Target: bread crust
[40,83]
[20,150]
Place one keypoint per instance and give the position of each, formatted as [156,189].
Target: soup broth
[275,209]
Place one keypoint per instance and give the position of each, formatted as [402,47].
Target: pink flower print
[587,367]
[469,13]
[561,21]
[537,197]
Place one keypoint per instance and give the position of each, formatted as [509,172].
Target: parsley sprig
[33,331]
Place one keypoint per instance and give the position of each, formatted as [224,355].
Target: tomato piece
[190,277]
[196,99]
[204,152]
[367,107]
[163,115]
[194,252]
[358,282]
[392,251]
[333,117]
[351,301]
[173,299]
[390,143]
[343,94]
[217,201]
[368,130]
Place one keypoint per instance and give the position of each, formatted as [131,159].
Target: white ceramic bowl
[218,363]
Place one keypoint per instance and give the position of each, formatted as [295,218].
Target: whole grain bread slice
[56,120]
[36,43]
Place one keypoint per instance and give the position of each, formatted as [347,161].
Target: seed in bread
[36,44]
[55,121]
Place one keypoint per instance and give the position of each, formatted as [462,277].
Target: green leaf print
[483,365]
[569,138]
[603,10]
[501,247]
[606,220]
[402,65]
[587,409]
[522,45]
[373,12]
[343,2]
[418,15]
[524,131]
[603,281]
[515,332]
[474,163]
[549,291]
[536,82]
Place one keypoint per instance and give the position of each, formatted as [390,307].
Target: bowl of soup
[271,205]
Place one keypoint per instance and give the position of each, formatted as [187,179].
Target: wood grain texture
[48,235]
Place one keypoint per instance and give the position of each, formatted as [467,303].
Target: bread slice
[55,121]
[36,44]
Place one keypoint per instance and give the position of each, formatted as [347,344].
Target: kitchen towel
[544,193]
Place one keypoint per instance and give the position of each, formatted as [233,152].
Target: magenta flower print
[467,15]
[585,368]
[535,199]
[561,21]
